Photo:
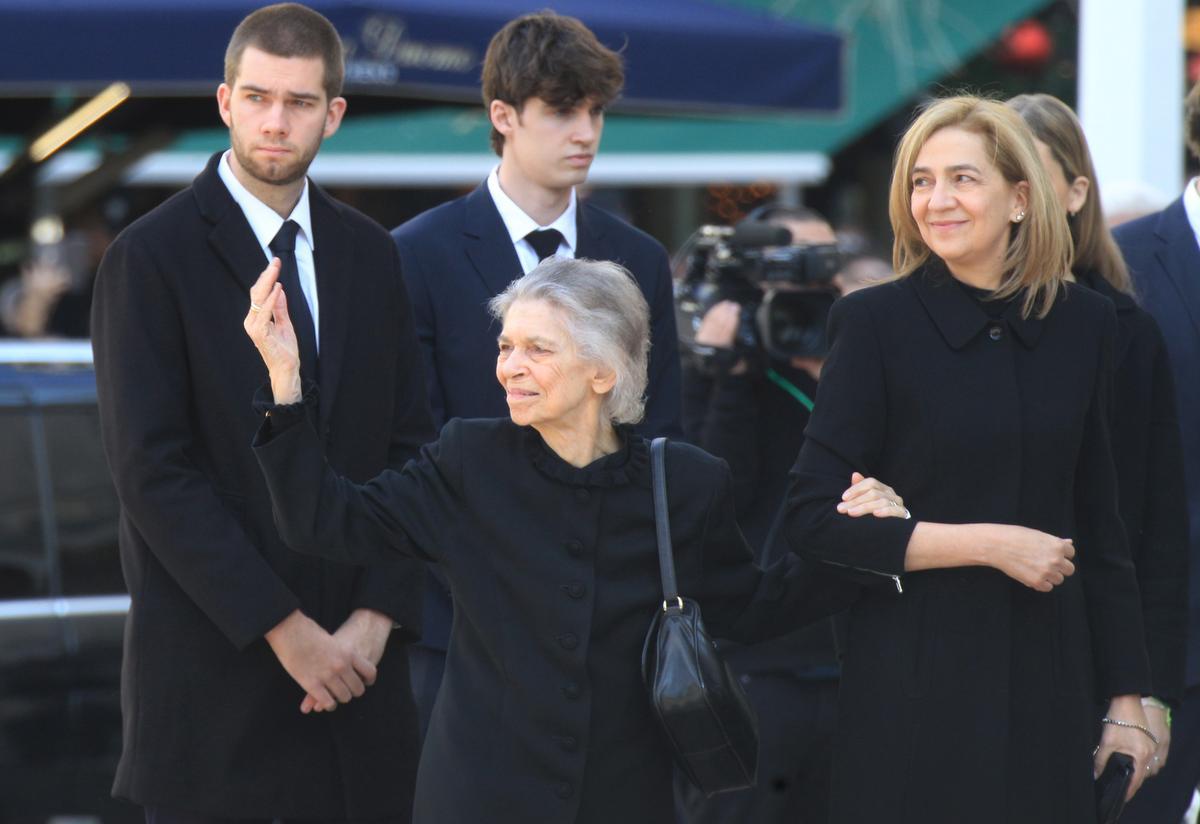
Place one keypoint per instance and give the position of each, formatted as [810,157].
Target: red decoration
[1027,45]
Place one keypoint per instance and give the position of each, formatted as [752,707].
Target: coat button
[574,548]
[582,495]
[564,790]
[568,640]
[572,691]
[575,589]
[995,331]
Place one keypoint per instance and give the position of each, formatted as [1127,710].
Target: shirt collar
[958,317]
[519,224]
[265,221]
[1191,205]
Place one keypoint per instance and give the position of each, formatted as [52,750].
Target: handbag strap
[662,522]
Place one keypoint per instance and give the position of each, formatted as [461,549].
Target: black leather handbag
[698,700]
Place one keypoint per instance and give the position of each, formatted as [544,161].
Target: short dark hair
[552,57]
[1191,121]
[289,30]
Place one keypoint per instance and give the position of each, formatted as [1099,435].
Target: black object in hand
[1111,787]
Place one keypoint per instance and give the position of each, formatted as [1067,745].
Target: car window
[85,503]
[24,564]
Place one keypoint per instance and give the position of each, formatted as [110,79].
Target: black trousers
[1164,798]
[796,721]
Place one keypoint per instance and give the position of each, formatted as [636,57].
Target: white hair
[606,317]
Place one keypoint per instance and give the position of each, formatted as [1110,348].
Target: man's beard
[275,172]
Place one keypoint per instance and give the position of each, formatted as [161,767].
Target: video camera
[785,291]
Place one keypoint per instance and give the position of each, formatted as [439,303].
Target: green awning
[443,146]
[895,49]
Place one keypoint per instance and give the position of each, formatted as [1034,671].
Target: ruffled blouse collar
[629,464]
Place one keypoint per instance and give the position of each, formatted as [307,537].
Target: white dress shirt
[520,224]
[265,222]
[1191,205]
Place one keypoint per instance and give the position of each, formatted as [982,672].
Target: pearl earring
[1020,216]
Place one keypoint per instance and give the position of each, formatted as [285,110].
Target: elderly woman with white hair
[544,527]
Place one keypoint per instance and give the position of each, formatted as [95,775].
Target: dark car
[62,595]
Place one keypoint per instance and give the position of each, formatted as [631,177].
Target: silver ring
[254,307]
[892,503]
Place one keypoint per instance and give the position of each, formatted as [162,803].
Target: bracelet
[1117,722]
[1157,703]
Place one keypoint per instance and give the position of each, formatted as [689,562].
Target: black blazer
[1150,483]
[966,696]
[211,719]
[457,257]
[1164,261]
[542,716]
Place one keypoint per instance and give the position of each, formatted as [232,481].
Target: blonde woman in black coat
[544,526]
[979,384]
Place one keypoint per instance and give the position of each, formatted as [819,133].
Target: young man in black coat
[1163,253]
[232,640]
[546,83]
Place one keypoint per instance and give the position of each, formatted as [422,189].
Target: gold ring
[254,307]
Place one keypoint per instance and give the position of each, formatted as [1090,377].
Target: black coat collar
[958,317]
[1096,282]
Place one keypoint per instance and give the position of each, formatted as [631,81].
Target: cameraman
[751,409]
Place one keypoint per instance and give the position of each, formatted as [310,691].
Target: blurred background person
[750,406]
[53,295]
[1164,260]
[1145,433]
[978,388]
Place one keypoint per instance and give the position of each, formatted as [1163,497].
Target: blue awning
[679,54]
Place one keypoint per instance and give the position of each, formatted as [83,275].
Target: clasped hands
[332,668]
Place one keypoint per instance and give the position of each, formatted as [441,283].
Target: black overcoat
[542,716]
[1150,484]
[965,695]
[211,719]
[1164,259]
[458,256]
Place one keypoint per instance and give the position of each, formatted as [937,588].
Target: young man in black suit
[546,83]
[232,640]
[1163,253]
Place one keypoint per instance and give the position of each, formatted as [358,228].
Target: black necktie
[545,242]
[283,246]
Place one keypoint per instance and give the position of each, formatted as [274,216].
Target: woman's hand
[1034,558]
[868,496]
[268,325]
[1156,720]
[1129,740]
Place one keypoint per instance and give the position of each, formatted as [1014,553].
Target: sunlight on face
[545,380]
[963,206]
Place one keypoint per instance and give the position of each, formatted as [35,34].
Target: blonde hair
[1053,123]
[1040,250]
